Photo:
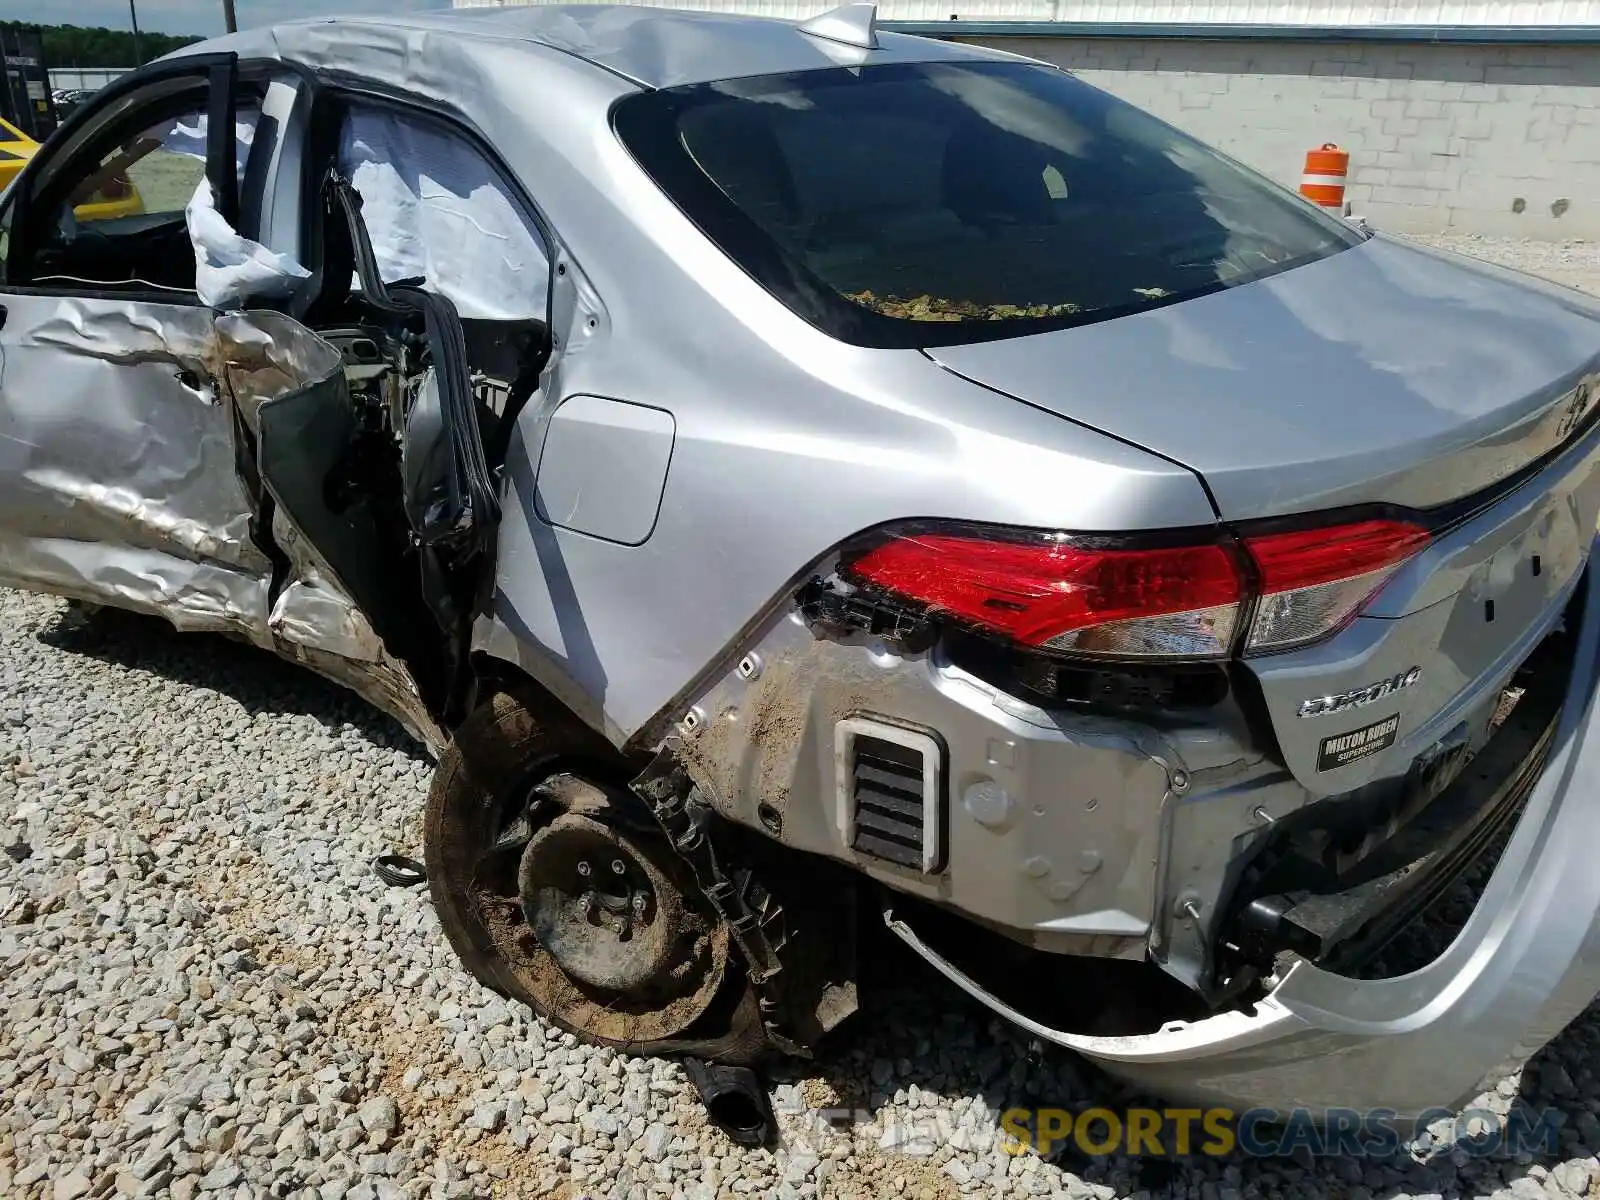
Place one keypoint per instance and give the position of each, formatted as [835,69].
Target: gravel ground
[206,990]
[1576,264]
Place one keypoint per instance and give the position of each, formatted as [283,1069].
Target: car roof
[652,47]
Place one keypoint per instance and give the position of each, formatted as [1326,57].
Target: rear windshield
[934,203]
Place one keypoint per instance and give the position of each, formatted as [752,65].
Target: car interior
[389,471]
[113,217]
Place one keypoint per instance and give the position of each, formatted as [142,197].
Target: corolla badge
[1322,706]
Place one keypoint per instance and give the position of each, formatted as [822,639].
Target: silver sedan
[800,478]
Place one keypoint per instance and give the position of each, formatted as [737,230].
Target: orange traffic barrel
[1323,181]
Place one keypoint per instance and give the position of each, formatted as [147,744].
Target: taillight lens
[1057,594]
[1314,581]
[1087,597]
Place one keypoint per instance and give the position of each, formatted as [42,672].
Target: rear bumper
[1524,965]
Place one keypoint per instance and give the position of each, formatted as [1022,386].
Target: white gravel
[205,989]
[1576,264]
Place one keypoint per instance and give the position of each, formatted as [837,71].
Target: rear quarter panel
[786,441]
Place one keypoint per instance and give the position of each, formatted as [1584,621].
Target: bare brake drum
[591,909]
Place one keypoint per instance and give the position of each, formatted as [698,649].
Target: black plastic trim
[222,138]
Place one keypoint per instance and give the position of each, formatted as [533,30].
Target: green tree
[96,46]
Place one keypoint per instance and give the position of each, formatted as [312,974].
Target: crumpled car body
[1101,557]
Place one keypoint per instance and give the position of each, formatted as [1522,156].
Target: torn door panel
[291,393]
[317,625]
[194,596]
[165,529]
[126,332]
[313,610]
[171,530]
[265,355]
[304,436]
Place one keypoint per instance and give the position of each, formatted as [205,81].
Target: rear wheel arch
[543,686]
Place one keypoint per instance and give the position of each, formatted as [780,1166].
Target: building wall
[1463,135]
[1478,139]
[1320,13]
[86,78]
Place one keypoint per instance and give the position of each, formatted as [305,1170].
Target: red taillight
[1307,557]
[1083,596]
[1315,581]
[1052,592]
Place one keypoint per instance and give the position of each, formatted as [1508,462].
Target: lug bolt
[616,866]
[585,869]
[639,902]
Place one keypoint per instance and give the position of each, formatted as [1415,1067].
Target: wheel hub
[629,956]
[600,905]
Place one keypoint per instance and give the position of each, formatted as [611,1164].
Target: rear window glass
[934,203]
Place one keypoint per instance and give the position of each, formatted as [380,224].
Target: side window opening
[431,282]
[116,219]
[437,210]
[430,278]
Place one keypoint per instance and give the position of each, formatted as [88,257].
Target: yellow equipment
[117,199]
[16,148]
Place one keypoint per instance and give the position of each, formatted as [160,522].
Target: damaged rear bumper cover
[1525,964]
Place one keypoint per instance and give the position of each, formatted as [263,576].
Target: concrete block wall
[1498,140]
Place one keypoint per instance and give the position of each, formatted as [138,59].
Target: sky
[196,16]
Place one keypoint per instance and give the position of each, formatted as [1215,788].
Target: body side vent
[890,786]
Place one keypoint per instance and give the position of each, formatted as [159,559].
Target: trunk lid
[1412,689]
[1385,373]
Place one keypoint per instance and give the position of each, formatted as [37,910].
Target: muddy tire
[501,751]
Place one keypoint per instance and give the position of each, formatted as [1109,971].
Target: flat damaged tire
[487,878]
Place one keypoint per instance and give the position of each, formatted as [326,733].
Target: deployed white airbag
[230,270]
[436,209]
